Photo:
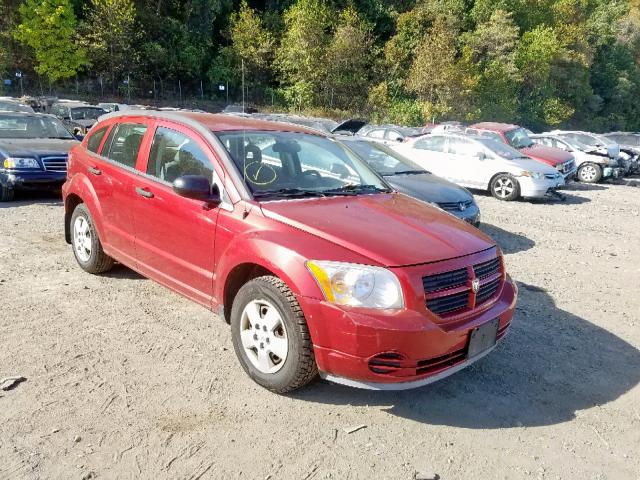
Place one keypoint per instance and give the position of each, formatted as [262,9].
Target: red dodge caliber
[316,263]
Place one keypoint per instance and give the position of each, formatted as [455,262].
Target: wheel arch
[236,278]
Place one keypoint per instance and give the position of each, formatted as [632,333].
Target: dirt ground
[126,379]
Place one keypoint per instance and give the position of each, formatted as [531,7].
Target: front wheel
[87,247]
[270,336]
[590,173]
[505,187]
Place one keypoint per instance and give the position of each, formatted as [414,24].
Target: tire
[6,194]
[268,299]
[505,187]
[85,243]
[590,173]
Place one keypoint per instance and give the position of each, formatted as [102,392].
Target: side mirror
[197,187]
[480,155]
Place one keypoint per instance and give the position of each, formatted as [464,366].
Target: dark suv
[78,117]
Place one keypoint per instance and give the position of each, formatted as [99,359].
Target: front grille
[451,292]
[455,206]
[55,164]
[566,166]
[448,304]
[487,269]
[487,291]
[443,281]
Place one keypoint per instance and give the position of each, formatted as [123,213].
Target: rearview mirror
[197,187]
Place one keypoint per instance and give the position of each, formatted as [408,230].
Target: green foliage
[49,28]
[539,63]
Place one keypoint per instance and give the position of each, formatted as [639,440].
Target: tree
[109,34]
[49,28]
[435,75]
[300,57]
[350,59]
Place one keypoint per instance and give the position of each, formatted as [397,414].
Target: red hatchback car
[518,138]
[315,262]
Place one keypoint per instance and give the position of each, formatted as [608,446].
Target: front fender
[80,186]
[282,252]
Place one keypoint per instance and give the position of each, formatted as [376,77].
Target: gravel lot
[126,379]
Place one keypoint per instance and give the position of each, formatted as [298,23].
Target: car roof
[494,126]
[215,122]
[25,114]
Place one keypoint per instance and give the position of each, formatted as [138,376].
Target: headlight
[536,175]
[357,285]
[17,163]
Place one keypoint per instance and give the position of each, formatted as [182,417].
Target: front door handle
[95,171]
[143,192]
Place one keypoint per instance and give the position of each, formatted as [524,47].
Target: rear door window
[95,139]
[461,146]
[123,143]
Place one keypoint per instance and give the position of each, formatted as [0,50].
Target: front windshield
[291,163]
[518,138]
[501,149]
[382,159]
[86,113]
[25,126]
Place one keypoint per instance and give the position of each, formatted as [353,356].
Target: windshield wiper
[410,172]
[288,192]
[356,189]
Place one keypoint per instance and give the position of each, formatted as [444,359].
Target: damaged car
[483,163]
[593,164]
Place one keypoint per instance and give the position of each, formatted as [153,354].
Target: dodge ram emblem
[475,285]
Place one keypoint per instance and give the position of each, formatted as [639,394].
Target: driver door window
[174,154]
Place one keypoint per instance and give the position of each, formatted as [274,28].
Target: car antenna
[245,212]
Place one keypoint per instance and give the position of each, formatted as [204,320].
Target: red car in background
[518,138]
[316,263]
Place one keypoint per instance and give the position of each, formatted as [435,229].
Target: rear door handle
[143,192]
[95,171]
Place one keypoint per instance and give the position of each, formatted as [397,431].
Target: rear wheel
[590,173]
[87,247]
[6,194]
[270,335]
[505,187]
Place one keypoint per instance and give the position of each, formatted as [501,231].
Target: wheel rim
[82,239]
[504,187]
[588,173]
[264,336]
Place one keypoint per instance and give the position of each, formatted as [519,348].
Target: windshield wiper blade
[411,172]
[355,189]
[288,192]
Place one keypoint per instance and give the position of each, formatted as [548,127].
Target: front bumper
[538,188]
[470,215]
[348,342]
[35,180]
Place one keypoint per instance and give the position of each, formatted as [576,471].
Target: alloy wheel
[588,173]
[504,187]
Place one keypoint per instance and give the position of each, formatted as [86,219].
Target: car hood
[549,155]
[40,147]
[389,229]
[428,188]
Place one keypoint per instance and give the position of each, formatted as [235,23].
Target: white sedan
[482,163]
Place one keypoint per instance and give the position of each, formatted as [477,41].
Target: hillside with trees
[543,63]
